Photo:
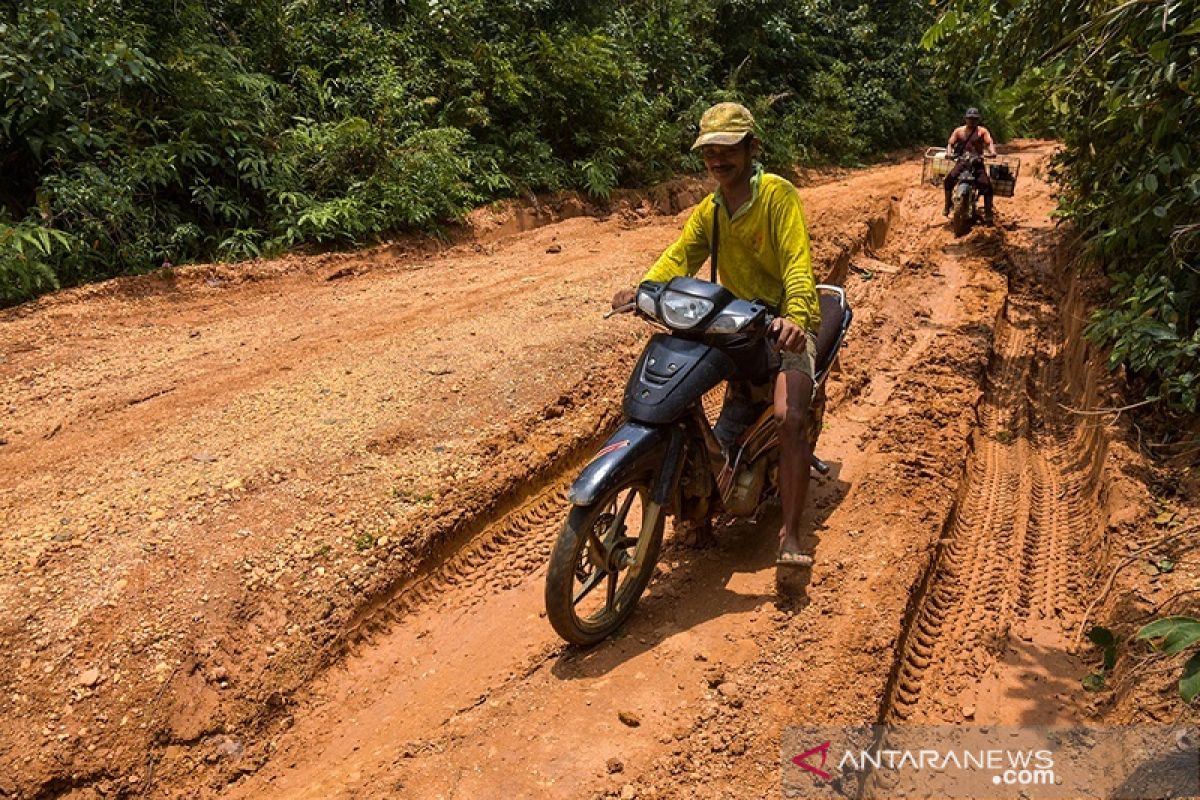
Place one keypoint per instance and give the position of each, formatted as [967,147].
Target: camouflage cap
[724,123]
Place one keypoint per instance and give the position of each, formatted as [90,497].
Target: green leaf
[1177,633]
[1189,684]
[939,30]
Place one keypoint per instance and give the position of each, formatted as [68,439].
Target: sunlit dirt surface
[280,529]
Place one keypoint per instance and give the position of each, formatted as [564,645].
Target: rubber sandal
[793,559]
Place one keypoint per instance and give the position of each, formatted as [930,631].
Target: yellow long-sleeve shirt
[763,251]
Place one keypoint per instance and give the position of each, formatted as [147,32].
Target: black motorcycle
[965,196]
[665,460]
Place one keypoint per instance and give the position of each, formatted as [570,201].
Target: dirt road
[280,529]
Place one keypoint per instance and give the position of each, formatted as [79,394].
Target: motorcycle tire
[593,534]
[961,216]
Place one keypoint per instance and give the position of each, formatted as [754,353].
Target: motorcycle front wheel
[601,565]
[964,210]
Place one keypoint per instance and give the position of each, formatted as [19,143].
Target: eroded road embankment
[214,480]
[947,444]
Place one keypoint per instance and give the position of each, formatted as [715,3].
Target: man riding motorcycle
[971,138]
[753,226]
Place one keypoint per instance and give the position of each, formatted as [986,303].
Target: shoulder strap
[970,138]
[716,240]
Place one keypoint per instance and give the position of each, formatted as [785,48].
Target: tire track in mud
[963,596]
[500,557]
[1063,514]
[1006,569]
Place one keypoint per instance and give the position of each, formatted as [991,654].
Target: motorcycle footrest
[819,465]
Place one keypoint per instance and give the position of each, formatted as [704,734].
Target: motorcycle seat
[833,321]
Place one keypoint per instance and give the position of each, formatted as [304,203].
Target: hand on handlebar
[623,297]
[788,336]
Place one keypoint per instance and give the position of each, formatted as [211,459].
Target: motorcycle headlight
[645,303]
[683,311]
[729,322]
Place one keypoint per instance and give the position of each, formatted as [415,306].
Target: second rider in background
[971,138]
[762,254]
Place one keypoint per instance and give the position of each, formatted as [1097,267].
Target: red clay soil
[280,529]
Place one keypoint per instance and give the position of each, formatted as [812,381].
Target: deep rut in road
[989,639]
[499,557]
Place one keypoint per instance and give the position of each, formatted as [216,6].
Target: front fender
[634,448]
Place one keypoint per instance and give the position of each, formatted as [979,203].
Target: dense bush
[134,132]
[1116,80]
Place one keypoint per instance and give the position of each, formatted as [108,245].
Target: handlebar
[628,308]
[631,308]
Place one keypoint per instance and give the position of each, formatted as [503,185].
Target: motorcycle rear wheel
[595,553]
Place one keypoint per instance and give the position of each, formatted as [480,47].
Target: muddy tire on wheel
[960,219]
[599,567]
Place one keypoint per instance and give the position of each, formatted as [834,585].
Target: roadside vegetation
[1116,81]
[135,133]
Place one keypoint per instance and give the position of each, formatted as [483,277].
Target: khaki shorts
[745,401]
[805,362]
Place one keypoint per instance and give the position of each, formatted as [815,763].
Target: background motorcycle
[665,459]
[966,194]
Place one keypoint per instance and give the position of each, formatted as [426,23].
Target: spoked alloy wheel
[602,562]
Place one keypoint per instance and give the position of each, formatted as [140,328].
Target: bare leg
[793,393]
[948,186]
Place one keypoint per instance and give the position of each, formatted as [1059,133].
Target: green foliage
[136,132]
[1173,635]
[1116,80]
[24,250]
[348,183]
